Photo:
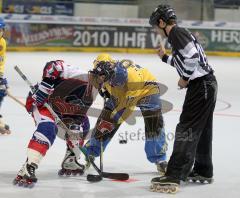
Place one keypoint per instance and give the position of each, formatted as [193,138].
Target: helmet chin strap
[164,30]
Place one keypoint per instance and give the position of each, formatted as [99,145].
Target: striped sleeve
[186,57]
[190,61]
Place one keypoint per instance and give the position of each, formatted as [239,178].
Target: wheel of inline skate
[173,190]
[21,183]
[28,184]
[61,172]
[68,172]
[165,189]
[17,180]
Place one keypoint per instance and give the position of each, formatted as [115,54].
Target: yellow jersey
[2,55]
[140,83]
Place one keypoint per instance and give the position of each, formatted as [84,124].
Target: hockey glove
[103,130]
[41,95]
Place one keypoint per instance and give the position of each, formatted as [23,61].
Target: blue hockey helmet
[120,75]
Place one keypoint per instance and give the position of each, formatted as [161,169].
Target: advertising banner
[218,39]
[114,37]
[42,8]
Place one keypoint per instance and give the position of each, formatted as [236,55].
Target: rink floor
[130,157]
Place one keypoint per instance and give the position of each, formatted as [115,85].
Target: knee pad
[153,123]
[45,133]
[43,137]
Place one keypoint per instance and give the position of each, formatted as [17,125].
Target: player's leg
[4,128]
[193,120]
[155,144]
[39,144]
[71,162]
[184,148]
[203,165]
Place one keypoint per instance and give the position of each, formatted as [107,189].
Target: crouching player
[126,85]
[67,90]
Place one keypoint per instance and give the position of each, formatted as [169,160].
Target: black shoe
[195,177]
[165,184]
[165,180]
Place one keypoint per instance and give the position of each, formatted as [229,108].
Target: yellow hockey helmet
[103,57]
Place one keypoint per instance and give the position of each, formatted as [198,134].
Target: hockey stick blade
[117,176]
[94,178]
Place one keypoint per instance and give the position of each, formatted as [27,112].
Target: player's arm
[186,55]
[1,65]
[2,56]
[3,81]
[53,70]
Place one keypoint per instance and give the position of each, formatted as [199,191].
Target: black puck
[122,141]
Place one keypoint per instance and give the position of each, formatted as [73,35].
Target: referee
[191,158]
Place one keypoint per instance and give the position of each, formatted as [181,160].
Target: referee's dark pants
[193,137]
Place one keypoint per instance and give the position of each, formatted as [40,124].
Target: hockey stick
[102,174]
[119,176]
[97,178]
[15,99]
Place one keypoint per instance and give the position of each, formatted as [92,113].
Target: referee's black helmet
[164,12]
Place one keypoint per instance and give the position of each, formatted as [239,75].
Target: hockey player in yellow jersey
[4,128]
[126,85]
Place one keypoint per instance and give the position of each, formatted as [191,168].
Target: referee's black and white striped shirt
[188,56]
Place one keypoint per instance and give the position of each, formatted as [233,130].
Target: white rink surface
[128,157]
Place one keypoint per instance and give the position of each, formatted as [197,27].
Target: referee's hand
[161,51]
[182,83]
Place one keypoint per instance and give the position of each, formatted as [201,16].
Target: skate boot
[165,184]
[4,128]
[162,167]
[70,165]
[195,177]
[26,176]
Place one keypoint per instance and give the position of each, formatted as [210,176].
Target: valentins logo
[46,35]
[65,108]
